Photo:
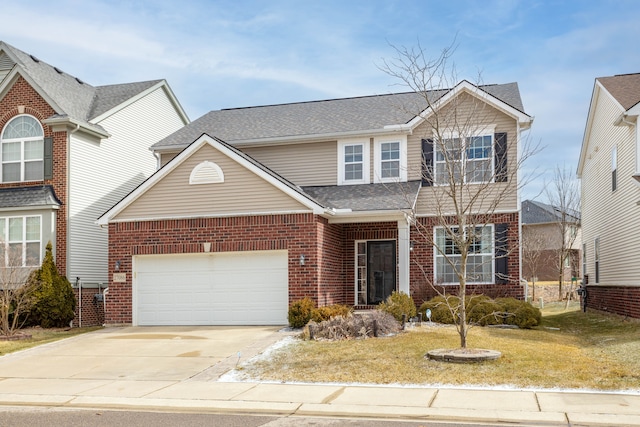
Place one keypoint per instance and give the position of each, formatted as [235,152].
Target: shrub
[482,310]
[397,304]
[55,301]
[300,312]
[519,313]
[327,312]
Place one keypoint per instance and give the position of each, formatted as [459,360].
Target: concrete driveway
[131,361]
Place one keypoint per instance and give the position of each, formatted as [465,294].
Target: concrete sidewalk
[50,376]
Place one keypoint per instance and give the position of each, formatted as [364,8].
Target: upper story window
[390,160]
[353,162]
[469,159]
[22,150]
[475,159]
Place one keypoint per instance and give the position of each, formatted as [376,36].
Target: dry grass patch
[42,336]
[570,350]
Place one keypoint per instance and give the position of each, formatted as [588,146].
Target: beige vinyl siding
[102,173]
[608,215]
[242,192]
[303,164]
[167,157]
[470,114]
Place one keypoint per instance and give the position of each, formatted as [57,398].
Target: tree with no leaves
[563,194]
[470,170]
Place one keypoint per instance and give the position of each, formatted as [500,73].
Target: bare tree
[470,173]
[563,194]
[16,294]
[533,243]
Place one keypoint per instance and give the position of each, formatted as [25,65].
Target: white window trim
[24,239]
[366,161]
[22,141]
[437,254]
[377,154]
[488,130]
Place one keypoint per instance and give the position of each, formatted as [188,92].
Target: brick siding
[92,308]
[621,300]
[22,94]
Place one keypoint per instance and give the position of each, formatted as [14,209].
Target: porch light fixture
[411,245]
[117,266]
[302,258]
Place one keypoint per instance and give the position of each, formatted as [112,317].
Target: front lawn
[41,336]
[570,349]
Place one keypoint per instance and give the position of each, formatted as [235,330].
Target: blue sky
[222,54]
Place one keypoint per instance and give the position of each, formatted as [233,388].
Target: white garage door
[234,288]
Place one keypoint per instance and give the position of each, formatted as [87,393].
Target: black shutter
[501,156]
[428,170]
[501,258]
[48,157]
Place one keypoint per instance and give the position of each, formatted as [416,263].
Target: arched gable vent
[206,173]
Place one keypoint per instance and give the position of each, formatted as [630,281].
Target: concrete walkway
[178,369]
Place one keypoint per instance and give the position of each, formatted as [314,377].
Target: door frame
[357,268]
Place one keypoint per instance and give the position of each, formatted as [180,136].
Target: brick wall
[92,307]
[297,233]
[622,300]
[422,257]
[23,99]
[332,280]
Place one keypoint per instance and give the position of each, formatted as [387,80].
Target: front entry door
[381,270]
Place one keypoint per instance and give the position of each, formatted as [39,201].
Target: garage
[228,288]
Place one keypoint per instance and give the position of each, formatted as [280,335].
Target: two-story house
[254,208]
[68,152]
[609,170]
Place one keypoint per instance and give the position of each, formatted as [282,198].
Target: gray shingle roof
[74,98]
[367,197]
[28,196]
[317,117]
[540,213]
[625,88]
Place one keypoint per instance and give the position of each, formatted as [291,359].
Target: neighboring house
[254,208]
[69,151]
[609,170]
[541,228]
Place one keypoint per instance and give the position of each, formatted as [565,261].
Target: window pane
[353,153]
[391,169]
[478,170]
[33,254]
[3,233]
[22,127]
[353,171]
[15,254]
[479,147]
[33,228]
[34,171]
[11,152]
[15,229]
[11,172]
[33,150]
[390,151]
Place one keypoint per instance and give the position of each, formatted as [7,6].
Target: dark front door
[381,270]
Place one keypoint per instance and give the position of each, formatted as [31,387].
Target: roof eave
[67,123]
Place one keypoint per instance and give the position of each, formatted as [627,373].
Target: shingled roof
[326,117]
[625,88]
[22,197]
[368,197]
[541,213]
[72,97]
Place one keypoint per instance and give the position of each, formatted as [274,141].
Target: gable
[241,192]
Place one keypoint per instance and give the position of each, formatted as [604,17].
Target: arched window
[22,150]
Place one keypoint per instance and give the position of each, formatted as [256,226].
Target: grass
[570,349]
[41,336]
